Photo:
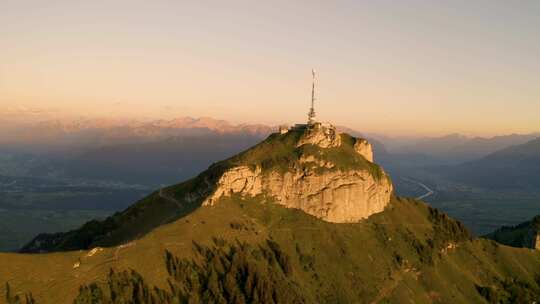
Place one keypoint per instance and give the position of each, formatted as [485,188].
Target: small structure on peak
[324,135]
[311,113]
[317,133]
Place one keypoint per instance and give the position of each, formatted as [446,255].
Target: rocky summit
[314,181]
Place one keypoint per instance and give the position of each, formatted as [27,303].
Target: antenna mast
[311,114]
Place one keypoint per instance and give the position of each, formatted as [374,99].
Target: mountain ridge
[457,148]
[513,167]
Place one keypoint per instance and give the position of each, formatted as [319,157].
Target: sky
[392,67]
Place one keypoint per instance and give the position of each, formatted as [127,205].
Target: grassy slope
[386,258]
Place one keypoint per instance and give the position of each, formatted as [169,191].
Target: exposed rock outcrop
[318,134]
[313,183]
[237,180]
[364,148]
[334,196]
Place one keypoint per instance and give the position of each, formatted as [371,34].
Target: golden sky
[394,67]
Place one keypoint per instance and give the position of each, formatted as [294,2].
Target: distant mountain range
[513,167]
[61,135]
[456,148]
[163,151]
[68,126]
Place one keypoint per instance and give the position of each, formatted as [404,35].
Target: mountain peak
[313,168]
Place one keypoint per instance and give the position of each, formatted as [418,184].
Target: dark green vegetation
[522,235]
[222,273]
[277,152]
[511,291]
[19,226]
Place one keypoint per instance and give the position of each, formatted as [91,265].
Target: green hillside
[410,252]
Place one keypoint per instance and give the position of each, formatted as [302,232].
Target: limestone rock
[335,183]
[334,195]
[315,161]
[364,148]
[237,180]
[318,134]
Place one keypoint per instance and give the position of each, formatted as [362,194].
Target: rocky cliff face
[314,184]
[364,148]
[334,196]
